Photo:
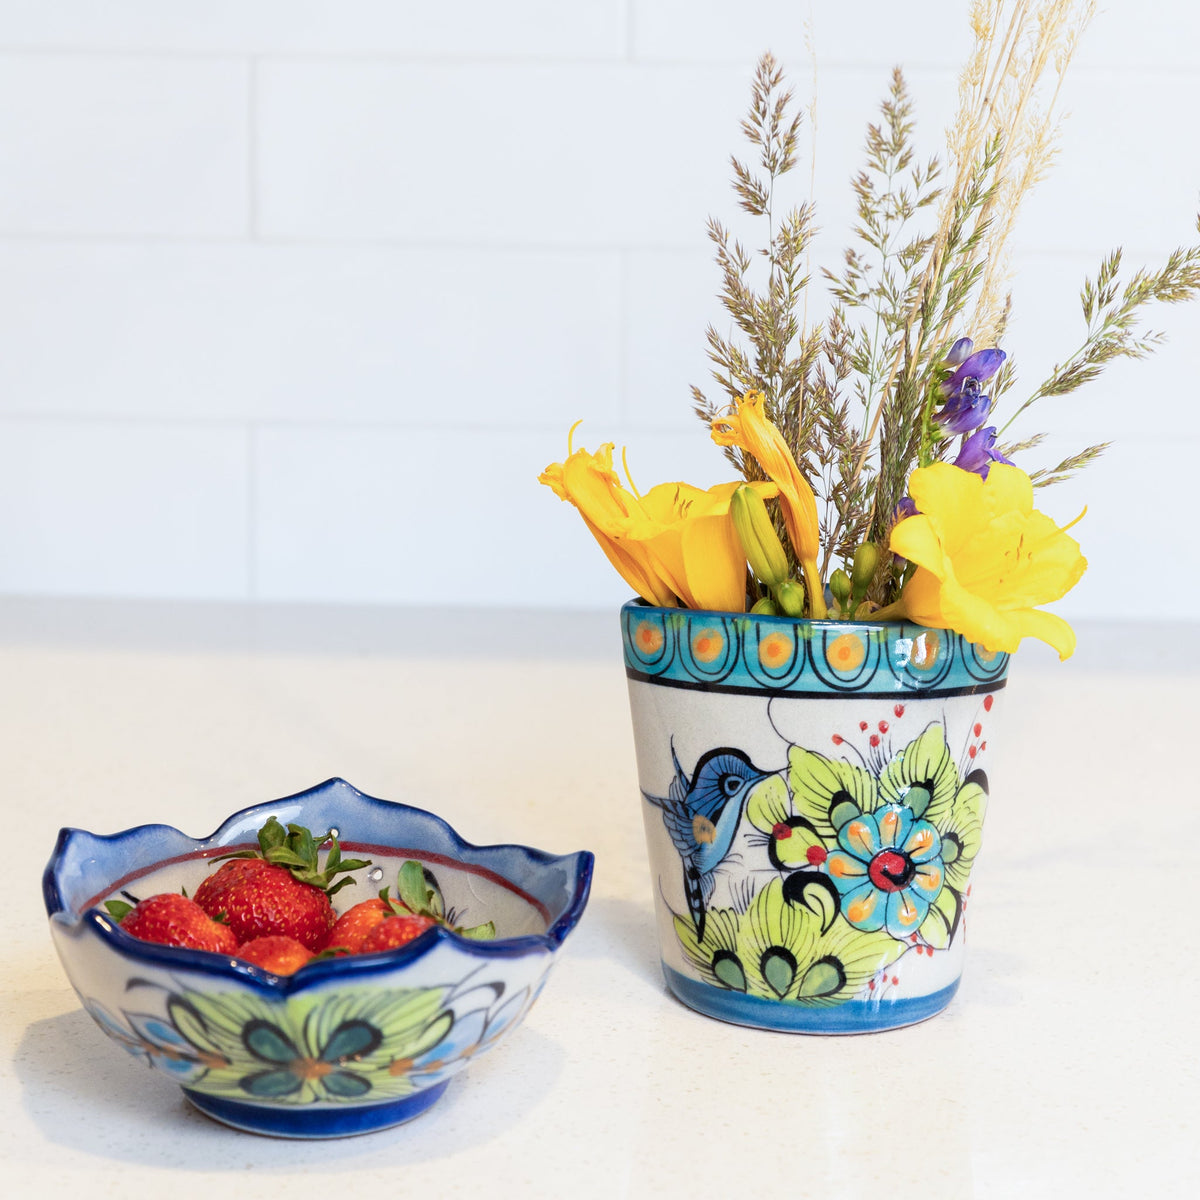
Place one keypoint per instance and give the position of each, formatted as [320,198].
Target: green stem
[816,591]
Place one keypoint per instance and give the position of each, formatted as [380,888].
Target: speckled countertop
[1067,1064]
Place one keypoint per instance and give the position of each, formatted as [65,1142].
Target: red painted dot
[871,985]
[883,727]
[874,739]
[987,703]
[983,745]
[838,739]
[816,855]
[863,726]
[972,751]
[781,832]
[913,938]
[978,729]
[899,710]
[895,979]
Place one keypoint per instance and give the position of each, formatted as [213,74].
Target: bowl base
[787,1016]
[277,1121]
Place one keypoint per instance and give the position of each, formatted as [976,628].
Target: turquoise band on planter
[722,652]
[856,1016]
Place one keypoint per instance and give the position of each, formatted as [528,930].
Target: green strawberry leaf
[410,883]
[479,933]
[272,834]
[118,909]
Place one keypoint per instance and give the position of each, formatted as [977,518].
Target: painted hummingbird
[702,816]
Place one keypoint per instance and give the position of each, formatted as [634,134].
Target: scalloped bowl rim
[579,867]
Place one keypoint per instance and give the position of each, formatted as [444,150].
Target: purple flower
[906,508]
[967,406]
[979,451]
[959,352]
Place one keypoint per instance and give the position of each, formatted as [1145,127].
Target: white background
[297,298]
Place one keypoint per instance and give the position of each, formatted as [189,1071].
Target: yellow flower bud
[764,551]
[789,595]
[866,559]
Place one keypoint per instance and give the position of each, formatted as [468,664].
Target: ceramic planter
[814,794]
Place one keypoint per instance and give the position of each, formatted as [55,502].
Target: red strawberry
[355,923]
[174,920]
[279,890]
[394,932]
[276,953]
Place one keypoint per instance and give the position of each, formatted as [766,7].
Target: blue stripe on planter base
[855,1016]
[278,1120]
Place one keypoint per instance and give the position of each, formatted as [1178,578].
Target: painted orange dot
[707,645]
[926,649]
[649,638]
[861,908]
[775,650]
[846,653]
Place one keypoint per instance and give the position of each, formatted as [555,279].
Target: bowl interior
[526,892]
[473,894]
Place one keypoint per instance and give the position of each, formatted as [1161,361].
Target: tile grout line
[623,380]
[252,147]
[252,583]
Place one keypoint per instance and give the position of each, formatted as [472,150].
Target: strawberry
[279,889]
[276,953]
[393,932]
[174,920]
[355,923]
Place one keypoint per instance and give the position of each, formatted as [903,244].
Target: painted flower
[888,869]
[986,559]
[480,1018]
[788,945]
[322,1048]
[157,1043]
[977,453]
[966,405]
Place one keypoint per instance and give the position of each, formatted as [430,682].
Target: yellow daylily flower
[690,535]
[985,559]
[675,544]
[748,428]
[589,482]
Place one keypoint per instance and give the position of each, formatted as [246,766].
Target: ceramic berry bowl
[347,1044]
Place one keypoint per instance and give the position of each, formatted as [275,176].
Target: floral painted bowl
[347,1045]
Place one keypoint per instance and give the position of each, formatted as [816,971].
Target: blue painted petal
[923,842]
[928,880]
[508,1013]
[894,822]
[846,871]
[866,907]
[156,1031]
[860,837]
[462,1037]
[905,912]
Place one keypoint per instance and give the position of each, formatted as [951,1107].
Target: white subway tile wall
[297,297]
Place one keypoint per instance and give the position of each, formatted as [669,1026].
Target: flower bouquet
[819,646]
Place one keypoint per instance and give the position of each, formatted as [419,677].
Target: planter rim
[797,656]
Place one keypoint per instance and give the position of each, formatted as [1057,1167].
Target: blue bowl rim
[579,865]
